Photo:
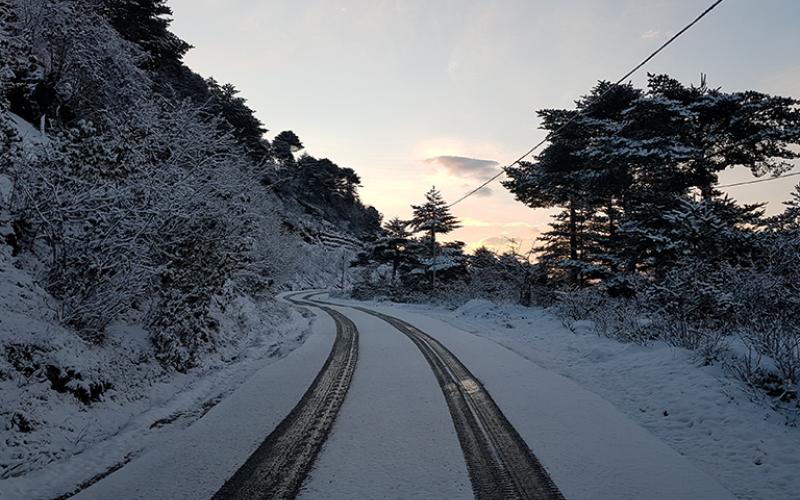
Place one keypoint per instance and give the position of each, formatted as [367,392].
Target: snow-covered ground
[696,410]
[607,420]
[52,442]
[195,462]
[393,437]
[591,450]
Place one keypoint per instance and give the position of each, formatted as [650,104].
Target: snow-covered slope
[64,400]
[61,396]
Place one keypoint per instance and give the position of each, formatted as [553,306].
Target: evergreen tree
[486,277]
[20,69]
[433,217]
[789,220]
[674,139]
[146,23]
[482,258]
[247,129]
[569,174]
[397,228]
[284,145]
[395,246]
[723,130]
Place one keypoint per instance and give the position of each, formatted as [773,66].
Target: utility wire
[582,111]
[756,181]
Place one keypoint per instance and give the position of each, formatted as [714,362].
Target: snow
[5,190]
[607,420]
[71,441]
[30,135]
[699,413]
[591,449]
[196,462]
[393,437]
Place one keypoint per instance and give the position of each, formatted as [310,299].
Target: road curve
[277,468]
[500,463]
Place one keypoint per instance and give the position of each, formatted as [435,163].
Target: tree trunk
[573,230]
[707,192]
[573,238]
[433,261]
[612,233]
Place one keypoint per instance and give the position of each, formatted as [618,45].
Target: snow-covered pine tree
[482,258]
[394,247]
[486,274]
[239,118]
[433,217]
[145,23]
[571,173]
[722,130]
[284,146]
[789,219]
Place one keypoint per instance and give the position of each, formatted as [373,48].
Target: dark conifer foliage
[626,170]
[146,23]
[239,117]
[285,145]
[433,217]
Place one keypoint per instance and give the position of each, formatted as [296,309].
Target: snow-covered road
[590,449]
[394,436]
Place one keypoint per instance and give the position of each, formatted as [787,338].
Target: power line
[582,111]
[756,181]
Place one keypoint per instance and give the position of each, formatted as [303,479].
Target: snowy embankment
[71,409]
[694,409]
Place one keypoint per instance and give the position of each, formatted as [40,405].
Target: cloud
[495,241]
[656,35]
[465,167]
[470,222]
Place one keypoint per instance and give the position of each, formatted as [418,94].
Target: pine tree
[394,246]
[397,228]
[482,258]
[284,145]
[239,117]
[571,173]
[146,23]
[789,220]
[433,217]
[723,130]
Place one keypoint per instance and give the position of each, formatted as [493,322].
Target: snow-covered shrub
[624,320]
[693,291]
[154,212]
[580,304]
[72,61]
[779,343]
[508,277]
[709,344]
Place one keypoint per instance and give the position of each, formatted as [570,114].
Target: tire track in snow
[280,464]
[500,463]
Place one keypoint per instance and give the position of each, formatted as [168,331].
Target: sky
[417,93]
